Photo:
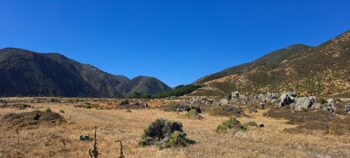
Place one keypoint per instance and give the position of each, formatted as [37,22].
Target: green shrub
[178,139]
[192,114]
[48,110]
[231,123]
[164,134]
[61,111]
[177,91]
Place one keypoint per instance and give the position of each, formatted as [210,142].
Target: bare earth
[270,141]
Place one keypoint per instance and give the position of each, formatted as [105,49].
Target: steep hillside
[147,85]
[321,70]
[26,73]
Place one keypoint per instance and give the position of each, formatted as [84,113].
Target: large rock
[235,94]
[223,101]
[304,103]
[243,98]
[261,97]
[331,102]
[347,109]
[330,105]
[329,108]
[287,98]
[271,95]
[268,97]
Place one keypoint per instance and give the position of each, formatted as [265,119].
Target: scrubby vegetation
[165,134]
[48,110]
[177,91]
[226,110]
[193,114]
[172,106]
[225,87]
[231,123]
[310,121]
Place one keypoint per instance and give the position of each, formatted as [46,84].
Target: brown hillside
[321,70]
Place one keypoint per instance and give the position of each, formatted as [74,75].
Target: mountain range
[28,73]
[320,70]
[308,70]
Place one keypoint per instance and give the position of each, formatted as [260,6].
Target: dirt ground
[112,125]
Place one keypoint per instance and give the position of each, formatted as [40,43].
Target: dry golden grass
[268,142]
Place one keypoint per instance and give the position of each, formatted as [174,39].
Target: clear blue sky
[177,41]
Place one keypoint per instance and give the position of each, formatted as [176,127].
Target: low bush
[177,91]
[231,123]
[193,114]
[165,134]
[48,110]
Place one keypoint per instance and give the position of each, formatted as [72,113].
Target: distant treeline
[177,91]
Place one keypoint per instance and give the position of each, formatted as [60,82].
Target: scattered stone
[239,134]
[273,101]
[329,109]
[347,109]
[261,97]
[261,105]
[331,102]
[261,126]
[224,101]
[84,138]
[304,103]
[271,95]
[243,98]
[235,94]
[287,98]
[317,106]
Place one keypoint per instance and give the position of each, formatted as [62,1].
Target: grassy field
[112,125]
